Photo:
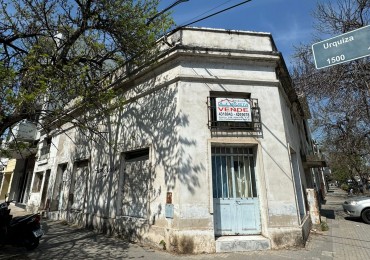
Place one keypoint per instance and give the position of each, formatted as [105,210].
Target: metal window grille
[233,173]
[254,126]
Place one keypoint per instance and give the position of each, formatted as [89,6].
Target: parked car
[358,207]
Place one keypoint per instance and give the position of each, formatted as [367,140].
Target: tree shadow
[66,242]
[129,197]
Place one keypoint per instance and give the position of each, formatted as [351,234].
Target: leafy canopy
[339,96]
[52,51]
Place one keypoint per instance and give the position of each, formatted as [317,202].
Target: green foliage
[58,55]
[7,152]
[163,244]
[324,226]
[7,95]
[344,187]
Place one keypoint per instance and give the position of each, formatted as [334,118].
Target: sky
[289,21]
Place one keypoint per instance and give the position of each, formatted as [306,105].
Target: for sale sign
[233,109]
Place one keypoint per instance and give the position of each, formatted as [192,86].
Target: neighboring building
[3,164]
[17,175]
[206,155]
[315,164]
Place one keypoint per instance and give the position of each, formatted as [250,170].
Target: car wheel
[366,216]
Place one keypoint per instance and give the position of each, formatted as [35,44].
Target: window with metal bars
[233,172]
[253,123]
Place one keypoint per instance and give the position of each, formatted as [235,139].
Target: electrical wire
[208,16]
[206,12]
[165,10]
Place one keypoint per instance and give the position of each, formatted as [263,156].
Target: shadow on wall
[155,119]
[273,158]
[150,121]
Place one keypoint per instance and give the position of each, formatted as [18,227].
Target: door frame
[59,183]
[72,190]
[148,151]
[296,171]
[248,142]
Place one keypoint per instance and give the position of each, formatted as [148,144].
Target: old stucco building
[206,155]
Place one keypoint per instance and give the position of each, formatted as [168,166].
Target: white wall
[167,112]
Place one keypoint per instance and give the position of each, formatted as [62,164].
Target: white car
[358,207]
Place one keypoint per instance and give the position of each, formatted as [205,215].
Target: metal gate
[235,198]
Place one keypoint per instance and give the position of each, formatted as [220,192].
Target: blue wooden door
[235,199]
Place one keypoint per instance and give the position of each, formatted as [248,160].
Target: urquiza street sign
[345,47]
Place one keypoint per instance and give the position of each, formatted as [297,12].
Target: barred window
[233,111]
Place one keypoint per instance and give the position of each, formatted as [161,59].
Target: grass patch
[324,226]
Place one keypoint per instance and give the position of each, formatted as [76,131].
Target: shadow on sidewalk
[354,219]
[328,213]
[63,241]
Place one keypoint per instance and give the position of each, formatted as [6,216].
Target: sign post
[345,47]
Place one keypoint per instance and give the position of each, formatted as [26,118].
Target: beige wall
[5,185]
[7,178]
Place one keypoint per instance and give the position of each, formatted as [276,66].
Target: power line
[208,16]
[165,10]
[206,12]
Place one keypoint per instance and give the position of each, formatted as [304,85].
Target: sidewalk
[16,209]
[346,239]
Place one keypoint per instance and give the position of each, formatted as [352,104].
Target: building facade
[206,155]
[17,174]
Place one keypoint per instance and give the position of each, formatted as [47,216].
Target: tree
[60,55]
[339,96]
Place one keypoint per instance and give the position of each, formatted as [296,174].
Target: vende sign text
[233,109]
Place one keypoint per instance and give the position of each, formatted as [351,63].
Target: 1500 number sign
[346,47]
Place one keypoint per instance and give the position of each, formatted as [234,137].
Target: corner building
[205,155]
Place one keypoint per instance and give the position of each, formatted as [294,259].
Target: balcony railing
[314,161]
[254,125]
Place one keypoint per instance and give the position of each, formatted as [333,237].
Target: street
[346,239]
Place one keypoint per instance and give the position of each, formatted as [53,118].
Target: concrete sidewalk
[346,239]
[17,209]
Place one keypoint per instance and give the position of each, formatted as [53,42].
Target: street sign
[345,47]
